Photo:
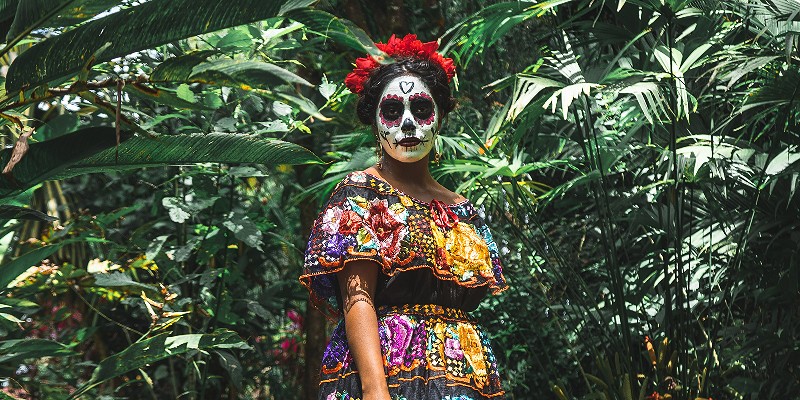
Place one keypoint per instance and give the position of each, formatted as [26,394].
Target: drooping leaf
[11,270]
[242,72]
[15,212]
[133,29]
[45,159]
[179,69]
[338,29]
[194,148]
[38,14]
[159,347]
[15,351]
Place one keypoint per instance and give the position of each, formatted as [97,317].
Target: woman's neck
[416,174]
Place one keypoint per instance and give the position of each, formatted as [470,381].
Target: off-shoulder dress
[437,262]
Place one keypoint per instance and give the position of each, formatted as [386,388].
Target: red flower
[349,223]
[387,229]
[442,215]
[408,46]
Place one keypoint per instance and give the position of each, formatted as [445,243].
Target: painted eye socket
[391,109]
[422,108]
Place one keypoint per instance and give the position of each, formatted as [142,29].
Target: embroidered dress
[437,262]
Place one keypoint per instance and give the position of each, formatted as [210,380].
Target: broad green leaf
[245,230]
[163,96]
[11,270]
[120,279]
[15,212]
[45,159]
[15,351]
[244,72]
[185,93]
[782,161]
[58,126]
[155,247]
[179,69]
[144,26]
[338,29]
[195,148]
[33,13]
[38,14]
[159,347]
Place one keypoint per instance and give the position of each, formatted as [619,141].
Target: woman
[399,257]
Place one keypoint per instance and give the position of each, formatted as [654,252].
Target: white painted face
[407,119]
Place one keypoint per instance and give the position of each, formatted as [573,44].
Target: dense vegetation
[638,161]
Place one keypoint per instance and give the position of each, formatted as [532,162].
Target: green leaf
[338,29]
[120,279]
[45,159]
[38,14]
[194,148]
[179,69]
[14,351]
[159,347]
[176,209]
[163,96]
[11,270]
[185,94]
[244,72]
[155,247]
[245,230]
[15,212]
[144,26]
[58,126]
[232,366]
[327,89]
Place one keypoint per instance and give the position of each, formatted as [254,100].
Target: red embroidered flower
[442,215]
[408,46]
[349,222]
[387,229]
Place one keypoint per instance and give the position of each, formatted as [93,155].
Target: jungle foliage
[638,161]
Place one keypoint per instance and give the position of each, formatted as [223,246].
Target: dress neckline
[425,203]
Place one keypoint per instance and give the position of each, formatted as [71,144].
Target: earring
[379,154]
[437,155]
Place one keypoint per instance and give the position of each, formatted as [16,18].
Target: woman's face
[407,119]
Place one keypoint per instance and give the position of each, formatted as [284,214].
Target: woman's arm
[357,283]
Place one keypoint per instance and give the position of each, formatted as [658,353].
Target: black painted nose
[407,125]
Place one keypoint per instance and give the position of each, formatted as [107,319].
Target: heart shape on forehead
[406,86]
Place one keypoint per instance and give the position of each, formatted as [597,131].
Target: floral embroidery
[366,218]
[423,340]
[442,215]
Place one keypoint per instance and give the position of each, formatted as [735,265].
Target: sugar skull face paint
[407,119]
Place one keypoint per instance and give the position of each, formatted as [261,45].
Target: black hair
[428,71]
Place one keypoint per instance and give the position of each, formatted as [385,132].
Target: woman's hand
[357,283]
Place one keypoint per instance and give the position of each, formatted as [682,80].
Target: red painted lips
[409,142]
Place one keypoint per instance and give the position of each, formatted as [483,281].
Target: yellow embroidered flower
[472,348]
[468,251]
[443,259]
[406,201]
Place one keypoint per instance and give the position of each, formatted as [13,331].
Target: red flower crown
[408,46]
